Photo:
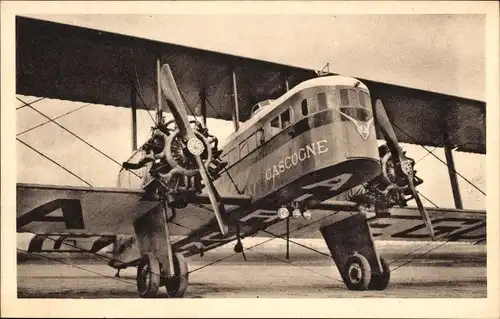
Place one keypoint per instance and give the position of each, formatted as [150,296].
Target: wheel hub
[145,277]
[355,273]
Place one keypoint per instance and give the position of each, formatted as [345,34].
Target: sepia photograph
[250,151]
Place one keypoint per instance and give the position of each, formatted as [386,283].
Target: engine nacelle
[174,164]
[176,154]
[390,187]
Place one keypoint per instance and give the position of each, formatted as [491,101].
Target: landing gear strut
[177,284]
[351,244]
[159,266]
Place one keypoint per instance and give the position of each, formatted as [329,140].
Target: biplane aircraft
[304,142]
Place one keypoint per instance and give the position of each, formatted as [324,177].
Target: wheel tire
[177,285]
[357,273]
[148,276]
[381,281]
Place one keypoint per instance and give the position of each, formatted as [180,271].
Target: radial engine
[390,188]
[173,165]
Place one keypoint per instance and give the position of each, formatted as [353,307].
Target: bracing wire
[213,108]
[73,134]
[263,242]
[188,106]
[299,266]
[427,198]
[419,256]
[82,250]
[450,137]
[53,119]
[67,130]
[32,102]
[135,266]
[437,157]
[76,266]
[296,243]
[138,90]
[45,156]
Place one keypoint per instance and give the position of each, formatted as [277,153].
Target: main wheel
[380,281]
[357,273]
[148,276]
[177,285]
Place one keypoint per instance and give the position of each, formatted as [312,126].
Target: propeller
[405,164]
[194,145]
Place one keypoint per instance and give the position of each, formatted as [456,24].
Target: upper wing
[99,67]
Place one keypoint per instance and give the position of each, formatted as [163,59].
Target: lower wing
[78,213]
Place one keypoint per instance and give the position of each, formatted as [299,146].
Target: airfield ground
[419,269]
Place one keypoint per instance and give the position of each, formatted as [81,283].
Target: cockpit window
[358,113]
[353,97]
[364,99]
[344,97]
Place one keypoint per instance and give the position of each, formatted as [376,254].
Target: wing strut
[159,116]
[236,112]
[452,172]
[133,103]
[203,102]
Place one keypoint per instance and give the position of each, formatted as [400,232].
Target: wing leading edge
[50,209]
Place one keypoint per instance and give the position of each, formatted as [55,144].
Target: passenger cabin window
[309,105]
[259,136]
[280,122]
[305,109]
[285,119]
[275,126]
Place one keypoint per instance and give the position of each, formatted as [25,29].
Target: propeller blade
[176,106]
[214,197]
[386,128]
[393,144]
[174,101]
[421,208]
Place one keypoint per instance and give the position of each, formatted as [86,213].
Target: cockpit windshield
[352,97]
[356,104]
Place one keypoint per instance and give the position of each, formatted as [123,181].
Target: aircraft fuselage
[313,143]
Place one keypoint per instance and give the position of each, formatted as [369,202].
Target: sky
[437,53]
